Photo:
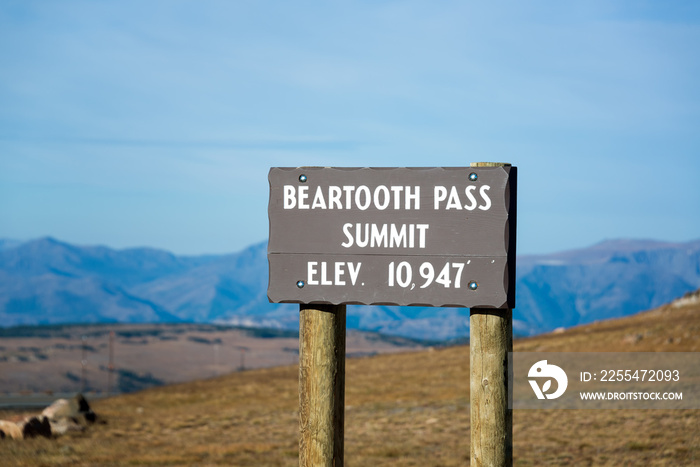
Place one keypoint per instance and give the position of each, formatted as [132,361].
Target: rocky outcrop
[69,415]
[10,430]
[62,416]
[35,426]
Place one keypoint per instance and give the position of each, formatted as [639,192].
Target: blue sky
[130,123]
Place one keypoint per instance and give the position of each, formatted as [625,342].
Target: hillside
[401,409]
[41,359]
[47,281]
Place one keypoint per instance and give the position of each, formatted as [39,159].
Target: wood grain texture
[321,384]
[491,338]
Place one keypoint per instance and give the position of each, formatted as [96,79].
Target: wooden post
[491,338]
[321,385]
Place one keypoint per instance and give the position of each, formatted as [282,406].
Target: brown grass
[401,409]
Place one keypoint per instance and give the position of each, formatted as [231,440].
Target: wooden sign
[398,236]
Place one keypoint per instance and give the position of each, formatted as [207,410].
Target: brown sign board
[398,236]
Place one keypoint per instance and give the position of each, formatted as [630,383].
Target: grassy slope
[402,409]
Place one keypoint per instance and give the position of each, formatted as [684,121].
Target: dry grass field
[49,359]
[407,409]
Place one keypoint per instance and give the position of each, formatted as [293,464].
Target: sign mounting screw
[473,177]
[301,284]
[302,178]
[473,285]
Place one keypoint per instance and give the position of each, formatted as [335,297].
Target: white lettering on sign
[360,197]
[455,200]
[384,235]
[318,273]
[303,195]
[450,197]
[384,197]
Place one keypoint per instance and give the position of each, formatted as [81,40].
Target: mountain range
[46,281]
